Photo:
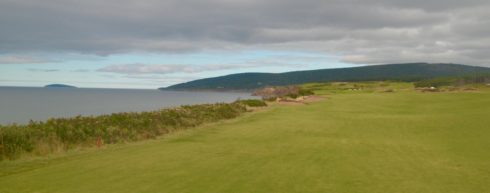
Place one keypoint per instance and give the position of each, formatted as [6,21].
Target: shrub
[293,95]
[271,99]
[282,91]
[305,92]
[14,140]
[253,103]
[67,133]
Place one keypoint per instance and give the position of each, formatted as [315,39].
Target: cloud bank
[132,69]
[12,59]
[359,31]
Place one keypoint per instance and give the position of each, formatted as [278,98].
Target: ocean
[21,104]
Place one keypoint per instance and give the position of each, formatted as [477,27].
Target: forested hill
[408,71]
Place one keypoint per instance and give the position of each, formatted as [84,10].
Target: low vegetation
[359,87]
[54,135]
[455,81]
[253,103]
[269,93]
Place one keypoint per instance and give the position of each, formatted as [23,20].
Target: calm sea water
[19,105]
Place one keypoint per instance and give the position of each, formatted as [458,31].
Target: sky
[157,43]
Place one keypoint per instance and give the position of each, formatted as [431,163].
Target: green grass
[356,142]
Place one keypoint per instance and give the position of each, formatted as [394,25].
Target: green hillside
[410,71]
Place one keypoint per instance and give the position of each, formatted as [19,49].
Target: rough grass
[358,87]
[357,142]
[61,134]
[253,103]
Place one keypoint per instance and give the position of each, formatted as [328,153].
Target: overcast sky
[155,43]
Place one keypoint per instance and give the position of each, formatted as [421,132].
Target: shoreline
[62,134]
[20,105]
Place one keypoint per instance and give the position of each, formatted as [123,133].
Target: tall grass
[60,134]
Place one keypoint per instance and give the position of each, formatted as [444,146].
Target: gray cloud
[13,59]
[134,69]
[359,31]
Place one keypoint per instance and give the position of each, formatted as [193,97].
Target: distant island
[59,86]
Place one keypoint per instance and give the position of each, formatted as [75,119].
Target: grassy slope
[385,142]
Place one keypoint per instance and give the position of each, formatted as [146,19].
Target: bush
[293,95]
[271,99]
[253,103]
[14,140]
[282,91]
[305,92]
[68,133]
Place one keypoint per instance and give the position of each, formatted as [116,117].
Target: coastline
[20,105]
[62,134]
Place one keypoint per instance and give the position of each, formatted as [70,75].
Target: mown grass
[354,142]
